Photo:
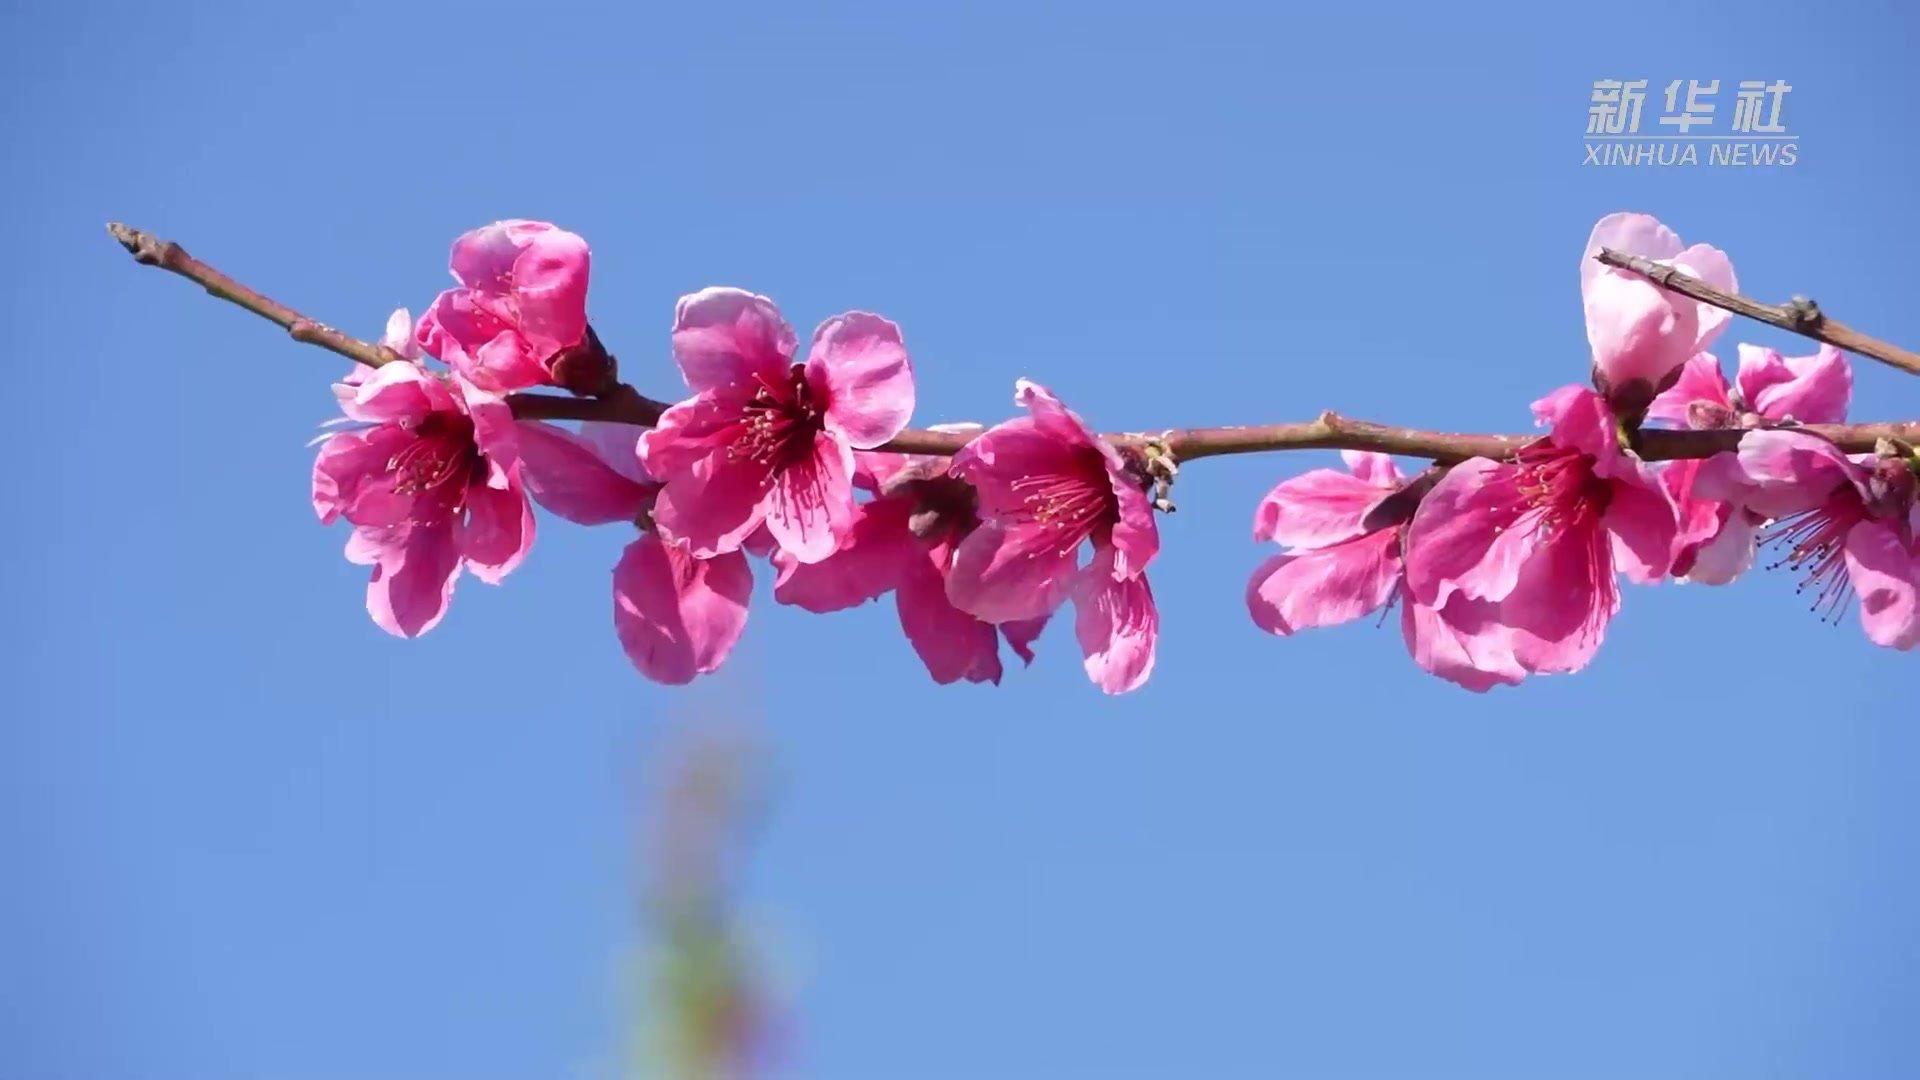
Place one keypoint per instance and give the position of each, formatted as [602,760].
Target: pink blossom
[764,440]
[677,617]
[429,480]
[1046,484]
[1641,334]
[1848,524]
[520,305]
[1717,539]
[1541,537]
[902,541]
[1346,531]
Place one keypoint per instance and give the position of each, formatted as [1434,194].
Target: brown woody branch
[1330,431]
[1799,316]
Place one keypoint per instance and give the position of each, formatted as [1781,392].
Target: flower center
[1560,487]
[435,468]
[1071,505]
[779,423]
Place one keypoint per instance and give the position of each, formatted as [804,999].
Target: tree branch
[1330,431]
[1799,316]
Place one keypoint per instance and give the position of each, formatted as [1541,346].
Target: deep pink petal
[393,392]
[1464,643]
[1883,572]
[1811,389]
[550,286]
[1700,380]
[1581,420]
[1464,535]
[689,432]
[412,582]
[859,365]
[484,258]
[351,478]
[496,434]
[810,506]
[951,643]
[678,617]
[714,505]
[723,335]
[1135,536]
[1559,608]
[1052,417]
[1021,634]
[1118,627]
[877,549]
[565,475]
[497,532]
[1641,517]
[1316,508]
[1004,455]
[1002,574]
[476,335]
[1324,587]
[619,446]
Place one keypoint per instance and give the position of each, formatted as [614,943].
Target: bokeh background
[245,834]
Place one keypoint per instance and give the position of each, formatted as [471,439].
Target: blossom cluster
[1501,568]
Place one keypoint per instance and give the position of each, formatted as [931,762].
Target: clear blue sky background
[245,834]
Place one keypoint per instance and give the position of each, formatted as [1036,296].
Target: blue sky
[247,834]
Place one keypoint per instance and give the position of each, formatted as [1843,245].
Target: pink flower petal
[351,478]
[859,366]
[810,506]
[1324,587]
[1639,332]
[1118,627]
[691,431]
[723,335]
[564,474]
[399,335]
[1559,609]
[1004,455]
[951,643]
[619,446]
[1778,473]
[497,532]
[1371,468]
[1640,516]
[1002,575]
[1463,536]
[1021,634]
[1883,572]
[412,582]
[1712,266]
[1316,508]
[550,287]
[1051,417]
[1634,234]
[678,617]
[475,335]
[713,505]
[870,560]
[1700,380]
[1811,389]
[1463,643]
[1728,554]
[393,392]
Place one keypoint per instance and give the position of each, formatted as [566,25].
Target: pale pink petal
[876,550]
[1632,234]
[678,617]
[723,335]
[1811,389]
[1002,575]
[371,545]
[1640,333]
[496,434]
[1464,643]
[691,431]
[810,506]
[399,335]
[1375,469]
[412,582]
[1052,417]
[392,392]
[1641,518]
[1559,608]
[951,643]
[713,505]
[1700,380]
[1712,266]
[1324,587]
[1581,420]
[859,366]
[497,532]
[1463,536]
[1883,573]
[1118,627]
[1135,537]
[1729,554]
[1021,634]
[1316,508]
[1777,473]
[564,474]
[619,446]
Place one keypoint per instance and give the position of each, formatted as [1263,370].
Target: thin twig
[1330,431]
[1799,316]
